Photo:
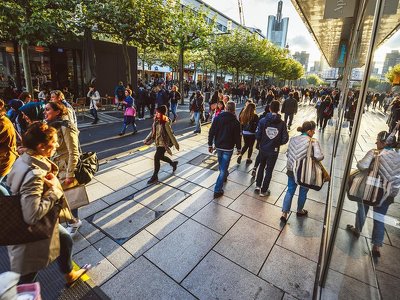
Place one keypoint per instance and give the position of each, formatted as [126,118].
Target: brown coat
[8,146]
[162,136]
[36,200]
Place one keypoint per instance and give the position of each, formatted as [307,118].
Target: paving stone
[216,217]
[160,197]
[290,272]
[248,243]
[119,195]
[231,189]
[240,177]
[339,286]
[288,297]
[116,179]
[218,278]
[90,233]
[277,189]
[389,262]
[179,252]
[255,209]
[97,190]
[140,243]
[187,170]
[302,236]
[114,253]
[101,269]
[351,257]
[91,208]
[195,202]
[189,187]
[388,285]
[80,243]
[149,283]
[137,166]
[165,224]
[394,235]
[205,178]
[123,219]
[279,177]
[224,201]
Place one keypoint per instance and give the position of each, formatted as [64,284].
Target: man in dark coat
[289,108]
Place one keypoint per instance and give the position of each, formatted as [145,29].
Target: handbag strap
[309,150]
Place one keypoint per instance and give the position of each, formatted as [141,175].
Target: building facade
[278,27]
[303,58]
[391,60]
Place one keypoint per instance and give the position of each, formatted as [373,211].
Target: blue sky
[256,14]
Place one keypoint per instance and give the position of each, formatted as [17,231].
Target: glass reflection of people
[389,162]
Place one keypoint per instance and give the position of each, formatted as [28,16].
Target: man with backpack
[271,134]
[289,108]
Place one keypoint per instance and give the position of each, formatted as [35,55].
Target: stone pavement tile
[231,189]
[80,243]
[351,257]
[92,208]
[116,179]
[187,170]
[224,201]
[302,236]
[174,181]
[277,189]
[255,209]
[123,219]
[279,177]
[137,166]
[140,243]
[218,278]
[388,285]
[187,154]
[288,297]
[97,190]
[147,283]
[389,262]
[179,252]
[89,232]
[110,165]
[216,217]
[248,243]
[339,286]
[189,187]
[204,177]
[165,224]
[394,235]
[160,197]
[119,195]
[280,165]
[240,177]
[316,210]
[319,196]
[114,253]
[394,210]
[195,202]
[101,269]
[290,272]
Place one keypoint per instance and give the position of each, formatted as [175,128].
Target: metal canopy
[333,35]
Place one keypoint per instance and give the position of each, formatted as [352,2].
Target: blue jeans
[224,158]
[174,106]
[128,120]
[378,230]
[197,120]
[287,202]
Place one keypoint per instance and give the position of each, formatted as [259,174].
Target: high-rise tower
[278,27]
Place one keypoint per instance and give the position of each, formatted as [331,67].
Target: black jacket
[225,132]
[289,106]
[271,133]
[174,97]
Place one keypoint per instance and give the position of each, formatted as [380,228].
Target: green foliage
[393,73]
[314,79]
[373,82]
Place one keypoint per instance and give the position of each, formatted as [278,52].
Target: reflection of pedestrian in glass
[389,169]
[130,112]
[94,96]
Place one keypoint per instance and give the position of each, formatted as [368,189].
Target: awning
[330,23]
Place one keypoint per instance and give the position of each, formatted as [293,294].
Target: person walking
[249,121]
[141,101]
[297,150]
[389,162]
[225,135]
[34,178]
[58,96]
[67,154]
[94,97]
[197,107]
[119,94]
[325,112]
[271,134]
[163,137]
[130,112]
[174,97]
[289,108]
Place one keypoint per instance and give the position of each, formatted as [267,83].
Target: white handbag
[77,196]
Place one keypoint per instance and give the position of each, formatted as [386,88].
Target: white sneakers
[267,193]
[73,228]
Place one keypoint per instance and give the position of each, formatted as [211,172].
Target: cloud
[299,41]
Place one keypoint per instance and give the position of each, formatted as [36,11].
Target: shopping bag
[77,196]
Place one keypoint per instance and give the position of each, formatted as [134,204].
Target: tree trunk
[27,67]
[215,78]
[143,62]
[181,64]
[127,61]
[237,76]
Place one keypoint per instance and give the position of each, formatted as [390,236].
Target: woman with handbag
[297,150]
[388,170]
[94,97]
[248,121]
[33,177]
[130,112]
[67,154]
[163,136]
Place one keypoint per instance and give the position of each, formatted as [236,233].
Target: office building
[278,28]
[391,60]
[302,57]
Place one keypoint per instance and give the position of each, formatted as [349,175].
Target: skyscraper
[391,60]
[302,57]
[278,27]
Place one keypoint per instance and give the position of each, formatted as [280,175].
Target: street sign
[338,9]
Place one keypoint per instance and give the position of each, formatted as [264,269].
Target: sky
[256,14]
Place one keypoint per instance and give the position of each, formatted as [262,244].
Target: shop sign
[338,9]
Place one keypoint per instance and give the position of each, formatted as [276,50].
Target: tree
[190,30]
[373,82]
[393,76]
[37,22]
[314,79]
